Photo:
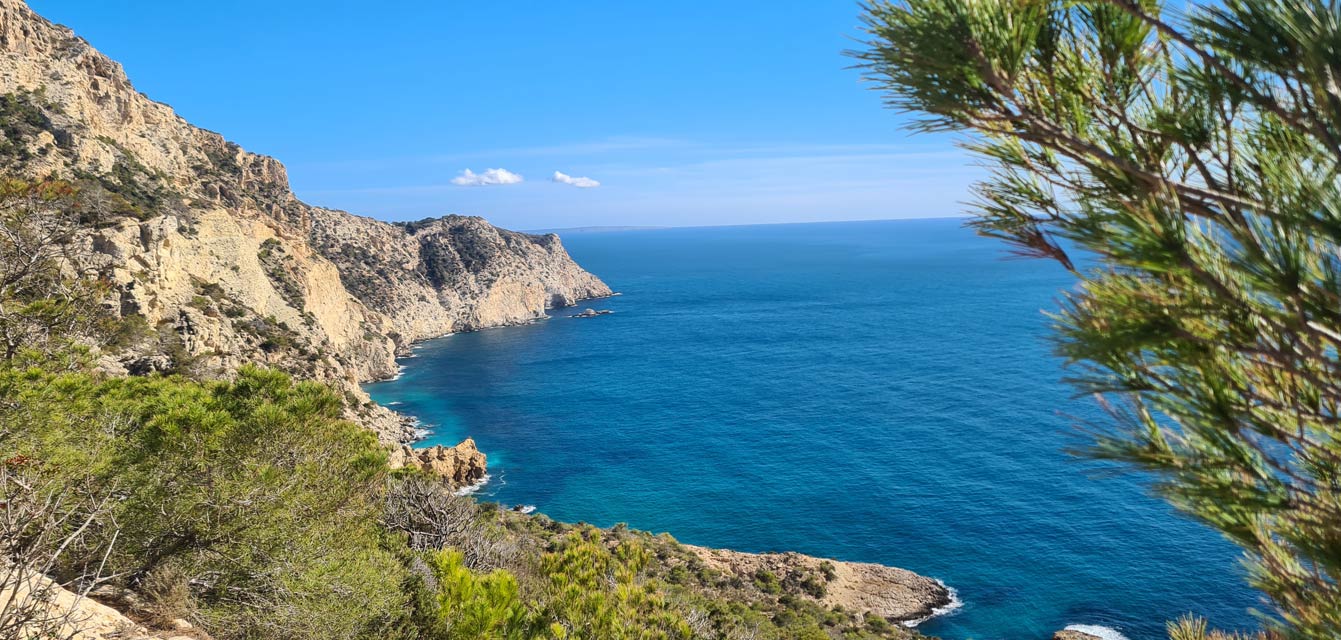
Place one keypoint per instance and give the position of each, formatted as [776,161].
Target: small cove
[874,391]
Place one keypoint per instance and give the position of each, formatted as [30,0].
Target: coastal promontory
[888,592]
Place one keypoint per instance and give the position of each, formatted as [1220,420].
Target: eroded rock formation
[462,465]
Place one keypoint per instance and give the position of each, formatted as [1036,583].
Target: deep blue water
[875,391]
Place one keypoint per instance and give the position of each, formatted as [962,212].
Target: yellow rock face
[462,465]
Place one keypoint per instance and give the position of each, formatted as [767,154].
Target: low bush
[252,492]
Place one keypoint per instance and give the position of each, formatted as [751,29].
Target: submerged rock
[591,313]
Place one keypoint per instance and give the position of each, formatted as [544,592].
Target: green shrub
[476,606]
[595,593]
[128,331]
[24,115]
[829,571]
[254,492]
[767,581]
[813,586]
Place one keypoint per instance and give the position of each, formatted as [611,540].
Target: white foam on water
[392,404]
[1098,631]
[947,609]
[528,508]
[465,491]
[418,430]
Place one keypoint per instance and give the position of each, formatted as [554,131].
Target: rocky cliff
[207,244]
[450,274]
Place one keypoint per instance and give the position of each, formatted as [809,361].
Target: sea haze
[868,391]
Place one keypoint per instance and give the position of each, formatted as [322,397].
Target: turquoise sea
[870,391]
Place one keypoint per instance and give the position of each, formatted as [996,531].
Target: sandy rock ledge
[88,619]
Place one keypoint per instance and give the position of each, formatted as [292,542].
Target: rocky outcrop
[207,244]
[1071,634]
[450,274]
[462,466]
[891,593]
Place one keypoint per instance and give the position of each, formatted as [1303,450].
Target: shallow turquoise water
[876,391]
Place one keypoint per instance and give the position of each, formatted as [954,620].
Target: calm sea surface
[873,391]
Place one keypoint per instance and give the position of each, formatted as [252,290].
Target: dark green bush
[767,581]
[254,492]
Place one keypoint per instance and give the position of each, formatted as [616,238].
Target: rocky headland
[889,592]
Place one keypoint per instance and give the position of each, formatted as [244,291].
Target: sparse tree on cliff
[43,304]
[1194,156]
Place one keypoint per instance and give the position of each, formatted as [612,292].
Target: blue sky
[686,113]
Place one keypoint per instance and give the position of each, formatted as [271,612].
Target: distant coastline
[620,228]
[594,229]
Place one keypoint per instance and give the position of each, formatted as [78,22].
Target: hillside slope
[226,266]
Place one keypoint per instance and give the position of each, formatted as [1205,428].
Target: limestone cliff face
[207,243]
[450,274]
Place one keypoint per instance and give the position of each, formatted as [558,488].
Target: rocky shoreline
[895,594]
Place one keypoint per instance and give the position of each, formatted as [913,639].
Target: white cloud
[581,183]
[469,178]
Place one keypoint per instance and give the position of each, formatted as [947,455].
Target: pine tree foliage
[1191,157]
[595,592]
[477,606]
[252,498]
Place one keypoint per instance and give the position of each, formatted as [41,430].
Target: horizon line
[618,228]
